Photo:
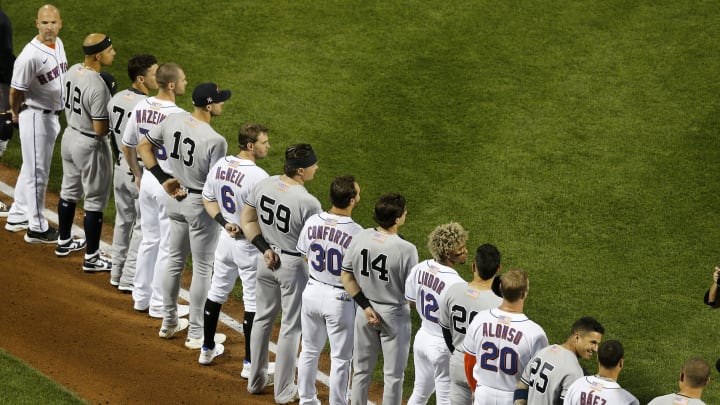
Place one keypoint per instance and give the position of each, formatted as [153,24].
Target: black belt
[56,112]
[333,286]
[296,254]
[193,190]
[89,135]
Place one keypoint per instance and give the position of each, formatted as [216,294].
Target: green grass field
[580,137]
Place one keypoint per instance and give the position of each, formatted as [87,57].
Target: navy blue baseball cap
[209,93]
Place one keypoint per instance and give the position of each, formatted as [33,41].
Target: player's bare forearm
[349,282]
[713,291]
[17,97]
[145,150]
[101,127]
[213,210]
[130,155]
[249,222]
[521,390]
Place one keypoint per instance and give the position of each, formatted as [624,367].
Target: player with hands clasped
[427,286]
[86,155]
[36,101]
[375,269]
[549,374]
[603,387]
[127,233]
[500,342]
[694,376]
[231,179]
[272,218]
[328,312]
[193,147]
[462,302]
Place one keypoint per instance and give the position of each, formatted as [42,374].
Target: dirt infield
[84,334]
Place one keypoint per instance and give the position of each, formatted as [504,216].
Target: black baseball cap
[209,93]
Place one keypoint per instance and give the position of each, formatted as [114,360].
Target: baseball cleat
[114,283]
[245,373]
[16,226]
[197,343]
[125,289]
[167,332]
[207,355]
[49,236]
[72,245]
[96,262]
[4,210]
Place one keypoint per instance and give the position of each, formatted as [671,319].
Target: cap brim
[224,96]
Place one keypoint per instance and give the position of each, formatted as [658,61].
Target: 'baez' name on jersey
[150,116]
[431,281]
[231,175]
[330,234]
[501,331]
[52,74]
[587,398]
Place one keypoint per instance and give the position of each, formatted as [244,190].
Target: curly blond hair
[446,239]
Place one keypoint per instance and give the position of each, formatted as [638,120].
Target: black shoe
[49,236]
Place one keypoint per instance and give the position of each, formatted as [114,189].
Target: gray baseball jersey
[462,303]
[192,147]
[598,390]
[147,114]
[549,375]
[120,110]
[281,223]
[675,399]
[39,71]
[381,262]
[87,99]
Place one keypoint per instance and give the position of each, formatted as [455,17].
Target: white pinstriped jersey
[147,114]
[549,375]
[597,390]
[87,99]
[381,262]
[229,182]
[461,304]
[192,147]
[675,399]
[282,210]
[503,343]
[427,286]
[119,110]
[324,240]
[39,71]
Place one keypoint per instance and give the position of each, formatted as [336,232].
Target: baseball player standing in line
[462,302]
[229,182]
[694,376]
[153,251]
[7,59]
[500,342]
[427,287]
[86,155]
[127,233]
[602,388]
[549,374]
[272,218]
[193,148]
[327,309]
[36,101]
[375,268]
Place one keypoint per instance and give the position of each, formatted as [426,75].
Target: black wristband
[159,174]
[260,243]
[220,219]
[361,300]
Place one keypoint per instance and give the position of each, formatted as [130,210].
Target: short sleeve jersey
[427,286]
[192,146]
[87,100]
[39,71]
[549,375]
[282,210]
[324,240]
[675,399]
[380,263]
[593,389]
[119,110]
[229,182]
[503,342]
[147,114]
[462,303]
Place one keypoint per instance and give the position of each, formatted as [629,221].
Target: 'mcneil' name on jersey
[501,331]
[230,175]
[149,116]
[52,74]
[431,281]
[591,398]
[329,233]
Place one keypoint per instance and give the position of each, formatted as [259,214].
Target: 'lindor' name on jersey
[430,280]
[502,331]
[231,175]
[52,74]
[330,234]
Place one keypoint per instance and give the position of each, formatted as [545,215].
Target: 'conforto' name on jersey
[330,234]
[230,175]
[502,332]
[431,281]
[150,116]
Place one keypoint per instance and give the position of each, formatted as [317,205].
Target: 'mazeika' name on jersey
[150,116]
[502,330]
[231,175]
[430,280]
[330,234]
[52,74]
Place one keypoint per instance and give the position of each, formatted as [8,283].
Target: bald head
[48,8]
[93,39]
[98,49]
[48,24]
